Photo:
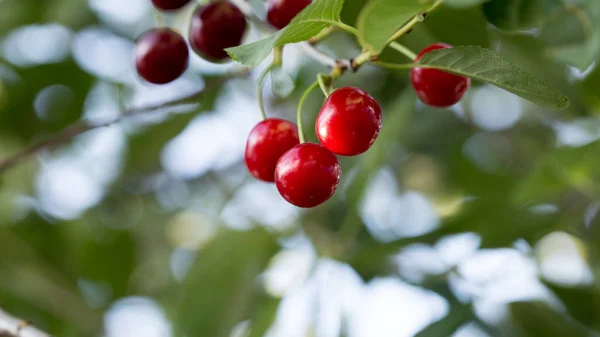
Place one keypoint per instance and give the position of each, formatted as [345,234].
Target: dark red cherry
[267,142]
[281,12]
[307,175]
[169,5]
[349,122]
[161,55]
[435,87]
[216,26]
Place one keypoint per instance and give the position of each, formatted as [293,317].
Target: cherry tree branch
[81,127]
[11,326]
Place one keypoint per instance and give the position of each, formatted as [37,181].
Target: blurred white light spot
[136,316]
[189,230]
[494,109]
[562,261]
[417,262]
[104,54]
[101,104]
[393,308]
[456,248]
[100,152]
[180,263]
[577,133]
[544,209]
[51,102]
[318,307]
[37,44]
[66,190]
[288,269]
[258,202]
[470,330]
[389,215]
[213,141]
[121,12]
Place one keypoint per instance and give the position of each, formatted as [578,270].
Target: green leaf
[464,3]
[486,66]
[513,15]
[538,319]
[220,290]
[380,19]
[314,18]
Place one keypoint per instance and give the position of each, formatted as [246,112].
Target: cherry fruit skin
[161,55]
[169,5]
[267,142]
[307,175]
[435,87]
[281,12]
[349,121]
[214,27]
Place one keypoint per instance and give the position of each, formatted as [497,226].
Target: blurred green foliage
[122,246]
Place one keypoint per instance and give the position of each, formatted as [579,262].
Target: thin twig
[79,128]
[11,326]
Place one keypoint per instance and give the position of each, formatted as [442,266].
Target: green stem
[322,35]
[413,22]
[300,104]
[278,55]
[347,28]
[394,65]
[259,90]
[322,78]
[403,49]
[277,62]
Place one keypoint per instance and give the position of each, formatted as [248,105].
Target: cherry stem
[404,50]
[396,65]
[300,104]
[259,90]
[413,22]
[322,35]
[324,82]
[347,28]
[277,62]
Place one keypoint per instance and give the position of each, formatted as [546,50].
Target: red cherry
[161,55]
[169,5]
[349,122]
[307,175]
[435,87]
[214,27]
[267,142]
[281,12]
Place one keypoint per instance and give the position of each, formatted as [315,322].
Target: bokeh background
[478,220]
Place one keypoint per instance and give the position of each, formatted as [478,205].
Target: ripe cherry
[435,87]
[349,122]
[307,175]
[214,27]
[281,12]
[169,5]
[267,142]
[161,55]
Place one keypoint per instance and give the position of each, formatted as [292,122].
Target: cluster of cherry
[306,174]
[161,54]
